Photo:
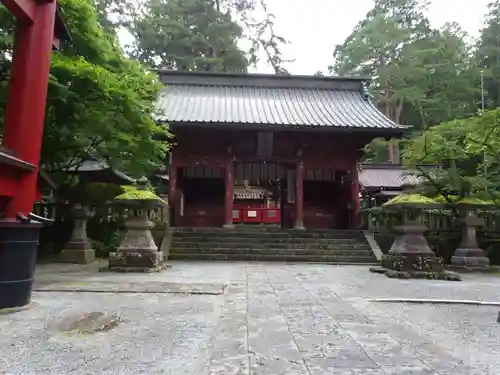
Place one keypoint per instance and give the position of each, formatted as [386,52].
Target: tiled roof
[91,165]
[387,176]
[296,101]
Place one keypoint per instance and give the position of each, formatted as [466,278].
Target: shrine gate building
[267,149]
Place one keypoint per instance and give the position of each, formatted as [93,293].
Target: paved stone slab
[272,318]
[154,287]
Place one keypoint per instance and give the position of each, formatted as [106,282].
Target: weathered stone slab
[267,366]
[409,370]
[88,323]
[128,287]
[343,358]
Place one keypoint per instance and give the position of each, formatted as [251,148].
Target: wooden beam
[23,10]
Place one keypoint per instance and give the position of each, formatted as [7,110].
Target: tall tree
[188,35]
[261,33]
[488,54]
[256,28]
[381,46]
[448,78]
[422,76]
[99,102]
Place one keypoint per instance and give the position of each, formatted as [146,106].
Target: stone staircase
[271,244]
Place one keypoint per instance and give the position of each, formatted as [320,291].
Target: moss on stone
[455,199]
[474,201]
[442,199]
[133,193]
[409,199]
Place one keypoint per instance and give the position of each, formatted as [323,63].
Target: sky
[315,27]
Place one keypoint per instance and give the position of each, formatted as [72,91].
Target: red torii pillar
[26,101]
[20,153]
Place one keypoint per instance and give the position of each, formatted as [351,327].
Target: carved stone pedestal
[469,256]
[138,251]
[411,257]
[78,249]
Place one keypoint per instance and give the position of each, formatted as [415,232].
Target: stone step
[278,258]
[261,245]
[277,235]
[261,229]
[266,240]
[285,252]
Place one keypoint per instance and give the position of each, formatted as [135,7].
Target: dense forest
[101,95]
[445,88]
[423,76]
[439,82]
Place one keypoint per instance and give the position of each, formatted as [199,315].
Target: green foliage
[99,102]
[187,35]
[107,242]
[99,192]
[488,54]
[197,35]
[422,76]
[469,149]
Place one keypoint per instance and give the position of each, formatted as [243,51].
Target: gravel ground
[283,319]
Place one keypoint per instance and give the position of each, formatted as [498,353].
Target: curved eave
[271,107]
[379,132]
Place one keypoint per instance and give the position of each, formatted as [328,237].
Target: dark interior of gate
[264,194]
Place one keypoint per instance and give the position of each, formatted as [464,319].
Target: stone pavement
[270,318]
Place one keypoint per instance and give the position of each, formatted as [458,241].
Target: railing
[379,220]
[108,212]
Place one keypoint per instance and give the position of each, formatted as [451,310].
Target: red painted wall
[210,147]
[320,150]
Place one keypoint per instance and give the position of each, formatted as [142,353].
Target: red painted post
[355,198]
[172,192]
[299,195]
[228,194]
[23,10]
[25,111]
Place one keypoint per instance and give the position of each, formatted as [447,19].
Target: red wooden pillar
[26,101]
[299,195]
[172,194]
[228,194]
[355,208]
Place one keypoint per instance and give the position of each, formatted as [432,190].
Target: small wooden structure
[94,170]
[381,182]
[296,137]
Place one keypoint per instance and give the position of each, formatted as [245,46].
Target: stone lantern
[138,251]
[469,255]
[410,255]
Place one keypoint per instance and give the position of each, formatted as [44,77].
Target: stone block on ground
[79,256]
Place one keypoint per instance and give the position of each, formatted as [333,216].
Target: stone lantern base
[77,252]
[469,256]
[78,249]
[138,251]
[411,257]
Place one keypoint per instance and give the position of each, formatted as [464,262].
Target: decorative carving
[410,256]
